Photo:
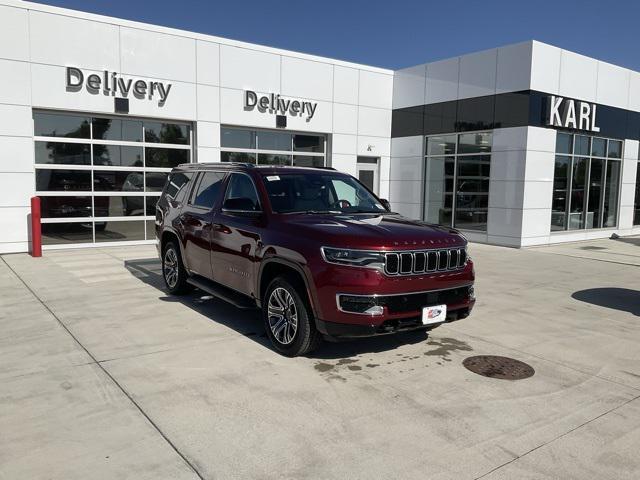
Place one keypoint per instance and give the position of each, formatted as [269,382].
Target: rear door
[196,221]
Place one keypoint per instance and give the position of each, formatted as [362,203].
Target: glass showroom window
[272,147]
[99,178]
[457,169]
[586,182]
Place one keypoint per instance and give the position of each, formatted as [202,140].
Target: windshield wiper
[367,211]
[314,212]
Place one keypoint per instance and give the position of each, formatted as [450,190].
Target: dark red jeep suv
[313,248]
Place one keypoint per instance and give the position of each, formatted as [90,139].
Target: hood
[373,231]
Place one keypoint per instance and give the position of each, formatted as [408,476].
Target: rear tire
[288,319]
[173,271]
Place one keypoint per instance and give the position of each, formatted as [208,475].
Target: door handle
[219,227]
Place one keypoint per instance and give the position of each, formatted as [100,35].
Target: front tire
[173,271]
[288,319]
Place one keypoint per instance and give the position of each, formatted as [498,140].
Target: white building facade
[522,145]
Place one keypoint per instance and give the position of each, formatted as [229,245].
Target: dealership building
[521,145]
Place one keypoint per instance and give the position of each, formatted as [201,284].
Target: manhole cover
[498,367]
[592,247]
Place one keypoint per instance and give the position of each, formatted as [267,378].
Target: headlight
[354,258]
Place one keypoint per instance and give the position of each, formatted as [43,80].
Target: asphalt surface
[104,376]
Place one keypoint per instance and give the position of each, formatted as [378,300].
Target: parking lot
[102,375]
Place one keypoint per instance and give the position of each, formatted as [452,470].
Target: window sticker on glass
[273,178]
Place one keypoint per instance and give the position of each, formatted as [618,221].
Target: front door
[367,171]
[237,236]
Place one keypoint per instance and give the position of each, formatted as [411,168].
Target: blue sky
[397,33]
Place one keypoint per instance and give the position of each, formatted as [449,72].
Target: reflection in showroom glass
[121,231]
[585,185]
[237,138]
[62,153]
[56,125]
[238,157]
[308,143]
[115,181]
[158,132]
[118,156]
[165,157]
[64,233]
[61,207]
[154,181]
[457,178]
[308,161]
[273,159]
[273,141]
[62,180]
[118,206]
[117,129]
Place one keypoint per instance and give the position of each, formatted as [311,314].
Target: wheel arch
[168,235]
[274,267]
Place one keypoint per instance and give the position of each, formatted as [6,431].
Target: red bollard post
[36,230]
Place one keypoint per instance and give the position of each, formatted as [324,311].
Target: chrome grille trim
[416,262]
[396,258]
[406,263]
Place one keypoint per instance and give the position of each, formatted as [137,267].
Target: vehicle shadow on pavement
[249,322]
[632,241]
[622,299]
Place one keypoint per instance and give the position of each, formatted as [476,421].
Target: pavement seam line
[568,432]
[106,372]
[591,258]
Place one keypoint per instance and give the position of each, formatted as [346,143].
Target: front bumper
[401,312]
[349,330]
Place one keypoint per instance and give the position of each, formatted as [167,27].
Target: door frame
[369,164]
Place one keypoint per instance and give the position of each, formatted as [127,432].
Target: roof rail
[217,164]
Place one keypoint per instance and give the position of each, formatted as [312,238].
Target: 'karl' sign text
[568,113]
[274,104]
[111,84]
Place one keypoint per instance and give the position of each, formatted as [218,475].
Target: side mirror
[241,206]
[385,203]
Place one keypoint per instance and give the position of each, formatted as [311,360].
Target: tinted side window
[178,185]
[241,186]
[208,189]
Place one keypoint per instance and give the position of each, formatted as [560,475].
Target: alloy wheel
[170,267]
[283,316]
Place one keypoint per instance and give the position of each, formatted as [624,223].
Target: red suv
[313,248]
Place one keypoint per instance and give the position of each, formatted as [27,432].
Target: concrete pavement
[102,375]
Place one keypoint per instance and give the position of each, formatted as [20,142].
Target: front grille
[424,261]
[415,301]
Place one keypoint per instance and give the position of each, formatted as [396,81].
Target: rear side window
[178,184]
[208,189]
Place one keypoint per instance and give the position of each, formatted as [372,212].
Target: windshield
[319,193]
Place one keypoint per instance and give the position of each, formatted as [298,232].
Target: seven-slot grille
[424,261]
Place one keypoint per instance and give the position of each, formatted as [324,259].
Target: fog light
[364,305]
[472,293]
[375,310]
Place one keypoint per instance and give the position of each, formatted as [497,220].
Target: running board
[223,293]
